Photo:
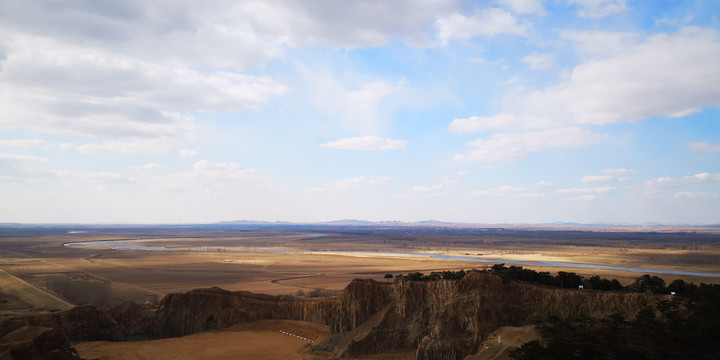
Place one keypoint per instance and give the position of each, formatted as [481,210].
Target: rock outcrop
[450,319]
[48,336]
[443,319]
[36,342]
[215,308]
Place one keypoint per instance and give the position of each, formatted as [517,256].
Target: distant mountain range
[356,222]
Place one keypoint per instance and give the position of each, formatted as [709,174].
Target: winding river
[123,245]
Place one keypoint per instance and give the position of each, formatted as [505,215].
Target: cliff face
[437,319]
[449,320]
[36,342]
[88,323]
[48,336]
[359,301]
[215,308]
[485,302]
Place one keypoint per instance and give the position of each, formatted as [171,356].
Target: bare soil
[258,340]
[33,259]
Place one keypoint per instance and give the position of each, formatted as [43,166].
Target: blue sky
[506,111]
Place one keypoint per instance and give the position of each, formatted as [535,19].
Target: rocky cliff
[48,336]
[450,319]
[215,308]
[443,319]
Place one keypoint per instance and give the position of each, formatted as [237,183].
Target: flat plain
[303,259]
[49,268]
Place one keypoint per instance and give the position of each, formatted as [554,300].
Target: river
[123,245]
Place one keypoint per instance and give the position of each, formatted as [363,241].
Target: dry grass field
[258,340]
[39,272]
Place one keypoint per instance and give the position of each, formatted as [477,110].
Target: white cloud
[187,153]
[357,182]
[34,143]
[361,181]
[496,122]
[222,171]
[149,167]
[534,191]
[55,87]
[485,22]
[437,190]
[136,146]
[210,177]
[693,179]
[597,190]
[360,108]
[356,24]
[670,75]
[695,195]
[30,169]
[674,21]
[584,198]
[704,147]
[619,171]
[609,175]
[441,189]
[596,178]
[540,61]
[367,143]
[512,146]
[102,178]
[22,158]
[499,191]
[356,105]
[598,8]
[523,7]
[600,43]
[667,75]
[193,34]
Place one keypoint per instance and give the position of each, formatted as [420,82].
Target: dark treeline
[562,279]
[434,276]
[570,280]
[684,326]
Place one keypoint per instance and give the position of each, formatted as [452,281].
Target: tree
[678,286]
[668,309]
[649,284]
[388,277]
[529,351]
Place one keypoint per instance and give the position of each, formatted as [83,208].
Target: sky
[500,111]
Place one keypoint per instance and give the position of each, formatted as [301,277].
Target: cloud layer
[366,143]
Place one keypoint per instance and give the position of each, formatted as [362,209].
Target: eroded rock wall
[215,308]
[437,319]
[450,319]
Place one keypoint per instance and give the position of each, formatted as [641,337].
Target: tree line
[570,280]
[684,326]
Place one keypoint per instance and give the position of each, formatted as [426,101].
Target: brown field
[258,340]
[39,274]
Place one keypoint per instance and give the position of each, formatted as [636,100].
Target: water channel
[123,245]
